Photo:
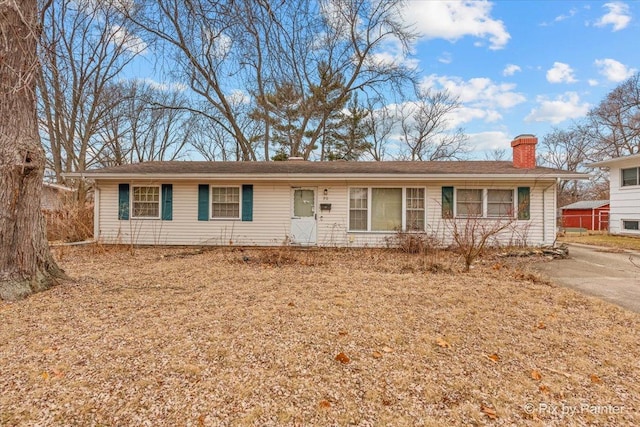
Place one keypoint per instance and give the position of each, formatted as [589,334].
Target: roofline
[324,176]
[592,208]
[613,161]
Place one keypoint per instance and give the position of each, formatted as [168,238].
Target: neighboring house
[323,203]
[54,196]
[624,194]
[586,215]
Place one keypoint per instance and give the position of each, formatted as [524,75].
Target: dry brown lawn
[619,242]
[182,337]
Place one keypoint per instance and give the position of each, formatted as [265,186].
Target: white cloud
[489,141]
[592,82]
[510,70]
[478,91]
[481,98]
[127,41]
[239,96]
[453,20]
[163,86]
[618,16]
[445,58]
[560,18]
[560,73]
[613,70]
[564,107]
[390,58]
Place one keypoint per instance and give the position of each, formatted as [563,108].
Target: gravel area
[279,337]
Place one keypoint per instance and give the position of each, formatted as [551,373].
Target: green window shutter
[247,202]
[167,202]
[123,201]
[203,202]
[524,200]
[447,202]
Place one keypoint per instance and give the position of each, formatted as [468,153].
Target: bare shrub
[412,242]
[473,235]
[73,222]
[286,255]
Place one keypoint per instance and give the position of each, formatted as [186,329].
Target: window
[631,225]
[499,203]
[386,209]
[146,202]
[469,203]
[358,206]
[630,177]
[225,202]
[415,209]
[484,203]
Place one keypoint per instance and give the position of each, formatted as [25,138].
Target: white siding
[272,216]
[624,201]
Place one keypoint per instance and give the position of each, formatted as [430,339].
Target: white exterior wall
[272,206]
[624,201]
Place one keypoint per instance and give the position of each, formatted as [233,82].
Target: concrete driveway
[597,271]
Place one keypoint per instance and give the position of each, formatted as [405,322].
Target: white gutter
[321,176]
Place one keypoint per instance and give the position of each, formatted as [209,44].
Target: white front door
[303,216]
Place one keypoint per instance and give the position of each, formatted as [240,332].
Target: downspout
[96,212]
[544,212]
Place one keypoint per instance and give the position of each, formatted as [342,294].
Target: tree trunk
[26,264]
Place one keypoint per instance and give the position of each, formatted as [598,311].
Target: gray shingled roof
[329,168]
[586,204]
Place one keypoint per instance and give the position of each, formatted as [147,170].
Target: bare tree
[569,150]
[85,47]
[297,57]
[26,264]
[616,121]
[380,122]
[425,127]
[497,154]
[146,123]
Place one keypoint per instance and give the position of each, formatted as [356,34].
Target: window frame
[637,170]
[132,202]
[211,202]
[630,230]
[485,203]
[369,190]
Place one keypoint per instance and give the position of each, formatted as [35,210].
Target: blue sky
[524,66]
[517,66]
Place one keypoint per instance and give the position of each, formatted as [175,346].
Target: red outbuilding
[586,215]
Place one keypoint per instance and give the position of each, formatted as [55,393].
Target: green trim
[524,202]
[203,202]
[167,202]
[247,202]
[123,201]
[447,202]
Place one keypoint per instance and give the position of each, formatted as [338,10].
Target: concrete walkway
[602,272]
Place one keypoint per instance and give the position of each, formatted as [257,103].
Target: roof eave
[328,177]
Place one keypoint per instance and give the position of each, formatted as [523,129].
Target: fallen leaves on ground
[175,336]
[343,358]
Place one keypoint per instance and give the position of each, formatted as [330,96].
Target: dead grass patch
[607,240]
[241,337]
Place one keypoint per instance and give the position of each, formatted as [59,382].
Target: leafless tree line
[250,80]
[611,129]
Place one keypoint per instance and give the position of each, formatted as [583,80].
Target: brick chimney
[524,151]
